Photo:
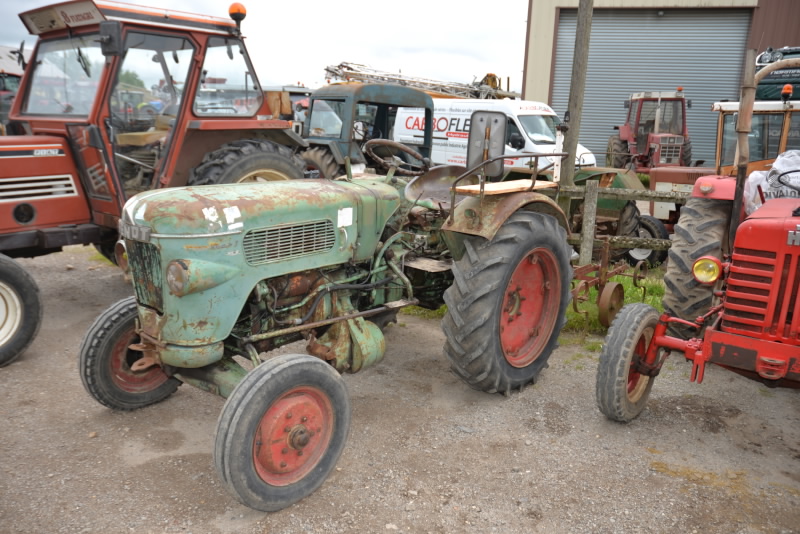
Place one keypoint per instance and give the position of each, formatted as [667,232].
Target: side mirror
[487,134]
[516,141]
[111,38]
[626,104]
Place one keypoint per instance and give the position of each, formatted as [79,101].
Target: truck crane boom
[488,87]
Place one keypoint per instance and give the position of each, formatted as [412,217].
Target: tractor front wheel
[508,302]
[282,431]
[20,310]
[320,163]
[247,161]
[652,228]
[621,390]
[106,358]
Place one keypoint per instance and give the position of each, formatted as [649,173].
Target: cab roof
[78,13]
[377,93]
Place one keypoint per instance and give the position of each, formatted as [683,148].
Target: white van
[531,129]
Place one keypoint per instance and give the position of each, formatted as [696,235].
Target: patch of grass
[645,179]
[593,346]
[424,313]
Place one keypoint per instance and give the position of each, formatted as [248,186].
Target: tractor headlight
[192,276]
[177,277]
[707,270]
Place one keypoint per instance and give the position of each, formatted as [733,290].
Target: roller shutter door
[634,50]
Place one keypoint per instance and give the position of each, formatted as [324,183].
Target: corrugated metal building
[651,45]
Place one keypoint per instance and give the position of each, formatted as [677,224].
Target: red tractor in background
[81,148]
[731,288]
[654,134]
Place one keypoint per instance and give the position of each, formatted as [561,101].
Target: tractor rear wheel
[652,228]
[282,431]
[617,153]
[621,391]
[320,163]
[702,230]
[247,160]
[105,360]
[508,302]
[20,310]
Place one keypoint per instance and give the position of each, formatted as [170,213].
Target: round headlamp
[707,270]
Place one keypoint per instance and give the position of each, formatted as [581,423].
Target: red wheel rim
[292,436]
[530,307]
[637,382]
[123,357]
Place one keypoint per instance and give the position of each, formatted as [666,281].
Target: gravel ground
[425,453]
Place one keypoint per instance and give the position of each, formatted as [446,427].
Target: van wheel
[247,161]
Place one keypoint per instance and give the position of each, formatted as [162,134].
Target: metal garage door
[633,50]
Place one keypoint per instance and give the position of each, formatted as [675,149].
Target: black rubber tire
[475,302]
[247,160]
[627,225]
[320,163]
[620,395]
[104,362]
[686,153]
[617,153]
[649,227]
[702,230]
[263,391]
[20,310]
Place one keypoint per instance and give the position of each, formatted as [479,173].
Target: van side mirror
[487,136]
[516,140]
[111,38]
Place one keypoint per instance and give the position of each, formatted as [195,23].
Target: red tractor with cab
[732,284]
[654,134]
[82,145]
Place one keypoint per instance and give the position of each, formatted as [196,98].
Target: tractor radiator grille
[287,242]
[671,149]
[36,187]
[144,260]
[762,294]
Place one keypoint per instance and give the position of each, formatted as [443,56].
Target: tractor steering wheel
[392,159]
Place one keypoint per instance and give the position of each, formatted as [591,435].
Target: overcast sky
[294,42]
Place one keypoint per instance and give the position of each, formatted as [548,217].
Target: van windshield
[541,129]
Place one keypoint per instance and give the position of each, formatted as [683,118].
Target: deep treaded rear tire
[20,310]
[247,160]
[503,290]
[686,153]
[620,391]
[617,155]
[105,359]
[702,230]
[321,160]
[649,227]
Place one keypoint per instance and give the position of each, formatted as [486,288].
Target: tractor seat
[432,189]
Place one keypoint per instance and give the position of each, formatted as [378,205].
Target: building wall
[543,22]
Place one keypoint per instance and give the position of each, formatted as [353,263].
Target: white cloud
[435,39]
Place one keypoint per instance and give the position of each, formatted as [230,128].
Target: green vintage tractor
[223,274]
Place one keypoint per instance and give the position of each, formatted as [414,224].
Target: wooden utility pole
[580,60]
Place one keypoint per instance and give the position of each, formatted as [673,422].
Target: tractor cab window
[664,116]
[228,85]
[793,141]
[541,129]
[144,100]
[325,118]
[66,74]
[764,137]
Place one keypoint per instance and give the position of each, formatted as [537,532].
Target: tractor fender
[484,218]
[715,187]
[331,145]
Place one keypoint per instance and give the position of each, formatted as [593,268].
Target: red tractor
[654,134]
[83,146]
[731,288]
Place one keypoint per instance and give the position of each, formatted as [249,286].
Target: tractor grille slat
[287,242]
[36,187]
[144,260]
[761,294]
